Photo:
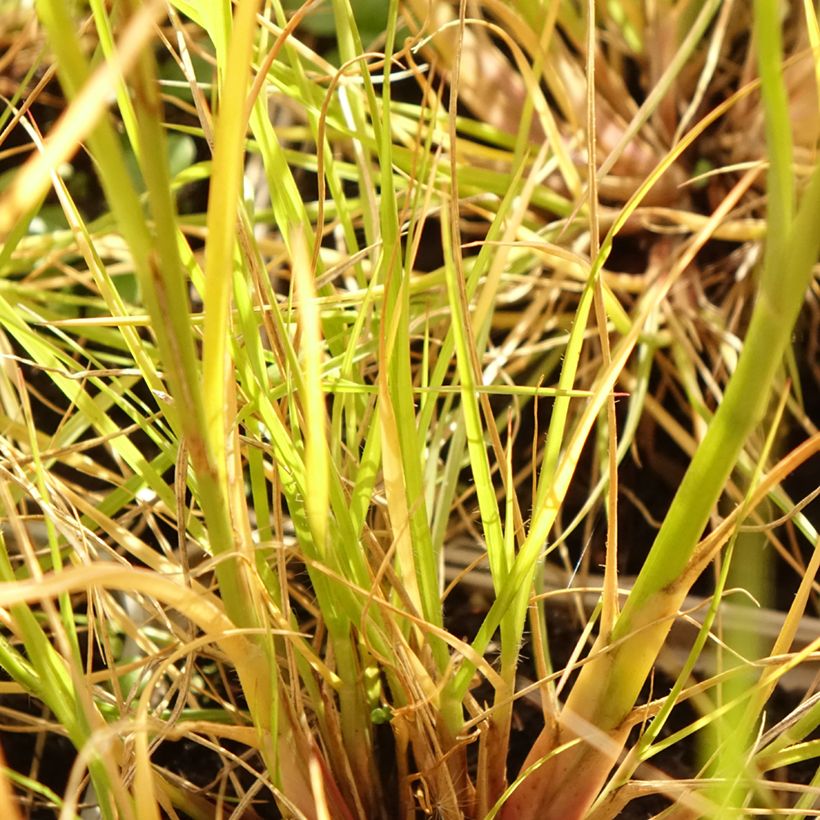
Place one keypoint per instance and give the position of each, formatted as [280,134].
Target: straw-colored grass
[296,298]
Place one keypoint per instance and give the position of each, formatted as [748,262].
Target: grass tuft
[406,409]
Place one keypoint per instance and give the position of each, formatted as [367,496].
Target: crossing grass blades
[296,297]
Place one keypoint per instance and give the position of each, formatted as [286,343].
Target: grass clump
[297,303]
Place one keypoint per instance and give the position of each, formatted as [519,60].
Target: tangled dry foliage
[674,128]
[642,120]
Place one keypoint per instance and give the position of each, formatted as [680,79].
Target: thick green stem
[608,687]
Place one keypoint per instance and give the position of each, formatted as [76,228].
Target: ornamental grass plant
[406,409]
